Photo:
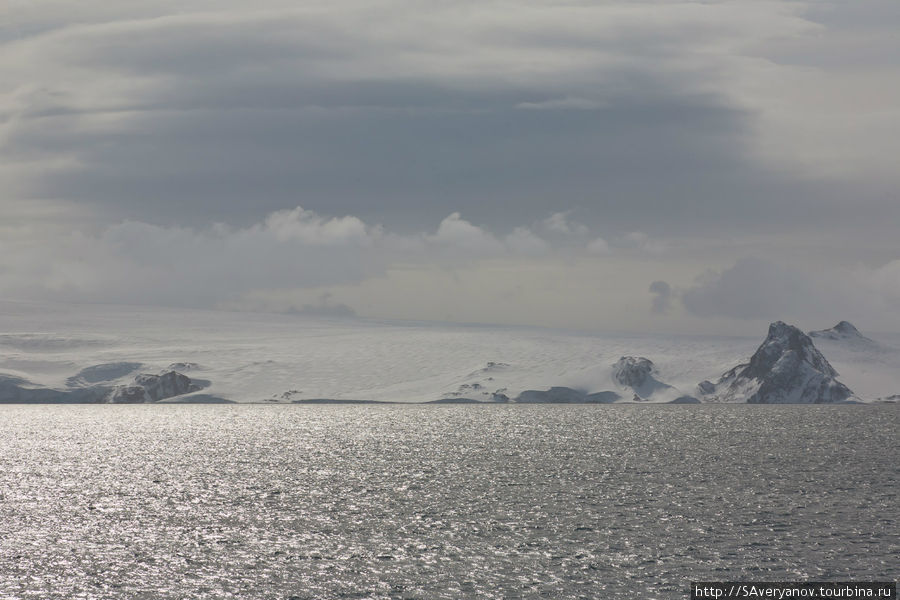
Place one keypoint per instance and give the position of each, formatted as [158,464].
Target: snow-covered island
[95,389]
[786,369]
[113,355]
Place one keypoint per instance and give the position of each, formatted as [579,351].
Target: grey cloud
[286,260]
[561,223]
[686,121]
[325,307]
[568,102]
[635,166]
[755,288]
[239,114]
[751,289]
[218,265]
[662,297]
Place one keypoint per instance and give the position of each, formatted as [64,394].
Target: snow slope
[249,357]
[869,367]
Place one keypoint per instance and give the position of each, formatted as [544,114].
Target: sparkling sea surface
[362,501]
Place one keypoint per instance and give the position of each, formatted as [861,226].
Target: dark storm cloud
[231,116]
[623,162]
[751,289]
[755,288]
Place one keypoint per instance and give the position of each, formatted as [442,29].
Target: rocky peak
[632,371]
[786,347]
[786,368]
[846,327]
[165,385]
[638,375]
[152,388]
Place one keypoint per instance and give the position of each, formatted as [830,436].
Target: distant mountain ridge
[842,331]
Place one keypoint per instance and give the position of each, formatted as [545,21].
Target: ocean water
[441,501]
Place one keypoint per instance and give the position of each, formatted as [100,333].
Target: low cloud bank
[755,288]
[554,271]
[137,262]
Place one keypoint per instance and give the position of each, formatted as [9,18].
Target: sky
[640,166]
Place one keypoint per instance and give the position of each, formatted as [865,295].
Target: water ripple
[440,502]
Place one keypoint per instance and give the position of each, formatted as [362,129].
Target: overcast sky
[641,165]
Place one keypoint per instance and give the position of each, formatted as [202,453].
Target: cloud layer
[762,289]
[137,262]
[680,113]
[553,272]
[542,159]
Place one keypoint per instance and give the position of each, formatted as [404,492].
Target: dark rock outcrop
[637,374]
[152,388]
[602,398]
[685,400]
[565,395]
[632,371]
[555,395]
[706,388]
[128,394]
[166,385]
[455,401]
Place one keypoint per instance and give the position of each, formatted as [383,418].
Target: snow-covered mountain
[786,369]
[842,331]
[871,368]
[637,375]
[847,334]
[86,352]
